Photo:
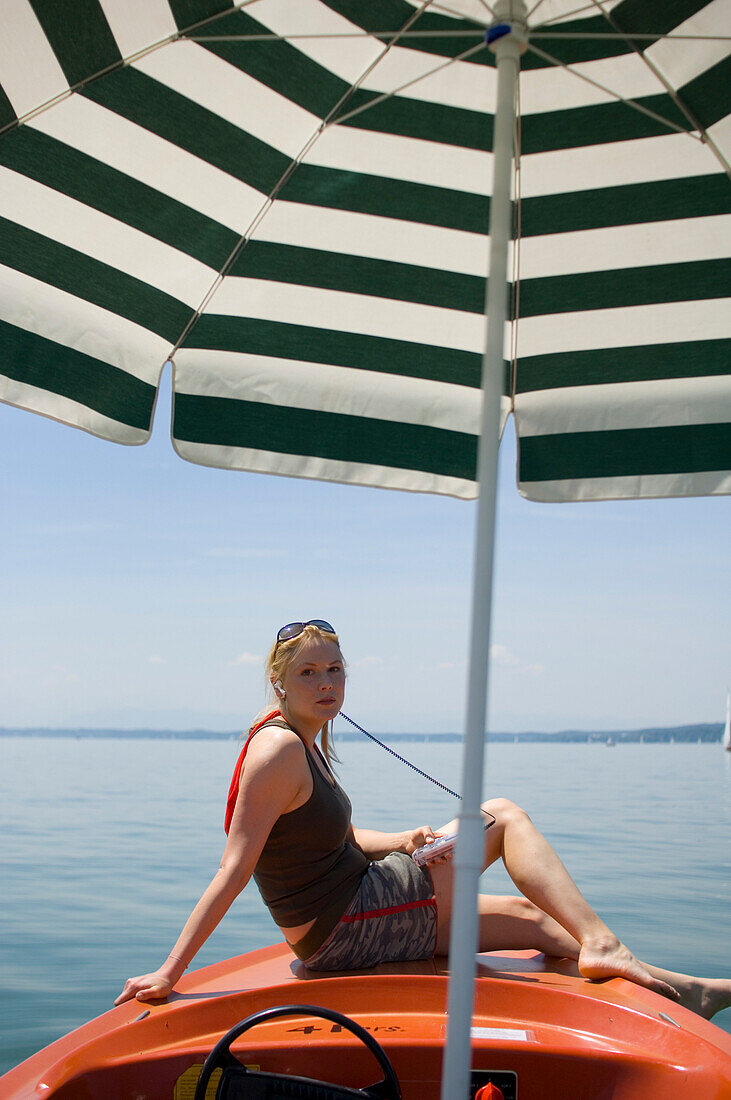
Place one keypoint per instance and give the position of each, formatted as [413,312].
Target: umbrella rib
[615,95]
[331,35]
[488,9]
[619,36]
[695,123]
[292,166]
[564,15]
[343,99]
[534,9]
[67,92]
[460,14]
[126,61]
[602,36]
[409,83]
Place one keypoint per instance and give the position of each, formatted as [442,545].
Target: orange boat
[538,1031]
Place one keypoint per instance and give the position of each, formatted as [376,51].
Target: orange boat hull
[538,1019]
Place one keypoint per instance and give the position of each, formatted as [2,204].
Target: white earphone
[279,689]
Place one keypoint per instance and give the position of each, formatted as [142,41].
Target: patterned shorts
[392,918]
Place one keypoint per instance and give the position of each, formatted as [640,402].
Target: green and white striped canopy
[289,199]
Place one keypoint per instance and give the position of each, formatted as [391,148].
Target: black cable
[412,766]
[401,758]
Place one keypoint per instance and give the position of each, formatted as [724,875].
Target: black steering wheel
[238,1082]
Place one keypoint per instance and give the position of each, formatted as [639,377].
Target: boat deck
[548,1032]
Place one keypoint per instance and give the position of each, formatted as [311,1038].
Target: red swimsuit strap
[233,791]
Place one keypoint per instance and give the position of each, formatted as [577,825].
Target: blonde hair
[279,659]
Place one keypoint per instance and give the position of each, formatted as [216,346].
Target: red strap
[233,791]
[421,903]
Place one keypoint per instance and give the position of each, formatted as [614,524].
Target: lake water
[107,845]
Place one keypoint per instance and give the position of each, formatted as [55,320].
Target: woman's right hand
[146,987]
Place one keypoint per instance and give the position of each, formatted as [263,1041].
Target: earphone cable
[414,767]
[401,758]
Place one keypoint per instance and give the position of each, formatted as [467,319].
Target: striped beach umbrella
[294,201]
[290,200]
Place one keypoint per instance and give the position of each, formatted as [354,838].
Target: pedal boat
[538,1029]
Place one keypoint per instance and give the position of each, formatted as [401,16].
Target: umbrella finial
[510,19]
[511,11]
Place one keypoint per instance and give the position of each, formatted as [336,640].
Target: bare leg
[706,996]
[514,923]
[541,877]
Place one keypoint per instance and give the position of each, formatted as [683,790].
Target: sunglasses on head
[292,630]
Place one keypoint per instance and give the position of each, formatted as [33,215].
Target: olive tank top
[307,867]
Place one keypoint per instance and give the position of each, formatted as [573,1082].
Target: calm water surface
[107,844]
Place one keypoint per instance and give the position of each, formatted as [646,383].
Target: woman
[348,898]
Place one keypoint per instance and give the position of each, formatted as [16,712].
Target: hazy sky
[139,590]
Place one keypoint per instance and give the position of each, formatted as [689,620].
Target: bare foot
[715,995]
[608,958]
[706,996]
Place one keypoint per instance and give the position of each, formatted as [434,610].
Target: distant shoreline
[706,733]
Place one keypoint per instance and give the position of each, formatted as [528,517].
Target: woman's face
[315,684]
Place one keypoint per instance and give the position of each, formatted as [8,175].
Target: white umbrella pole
[470,844]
